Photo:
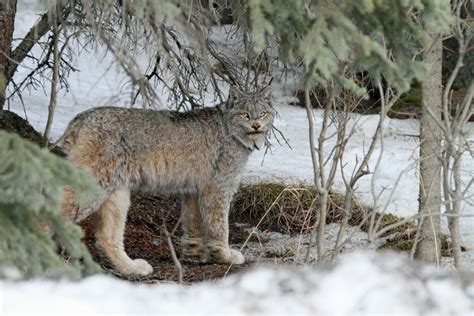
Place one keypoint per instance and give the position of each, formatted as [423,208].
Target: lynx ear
[266,93]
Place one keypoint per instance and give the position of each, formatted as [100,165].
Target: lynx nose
[256,126]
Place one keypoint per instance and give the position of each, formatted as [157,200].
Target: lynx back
[199,155]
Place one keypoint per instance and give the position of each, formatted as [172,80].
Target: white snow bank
[362,283]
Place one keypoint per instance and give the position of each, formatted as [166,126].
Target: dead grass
[293,210]
[286,209]
[404,242]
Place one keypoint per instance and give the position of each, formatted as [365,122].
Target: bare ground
[144,238]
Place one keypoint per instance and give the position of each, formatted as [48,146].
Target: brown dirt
[144,238]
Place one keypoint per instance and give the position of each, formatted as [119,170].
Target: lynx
[199,155]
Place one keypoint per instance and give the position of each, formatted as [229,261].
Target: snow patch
[362,283]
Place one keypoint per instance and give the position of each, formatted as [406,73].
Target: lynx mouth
[255,133]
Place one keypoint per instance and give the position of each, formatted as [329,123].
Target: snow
[359,284]
[281,248]
[362,283]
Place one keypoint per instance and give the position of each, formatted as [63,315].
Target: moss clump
[387,220]
[409,104]
[286,209]
[400,243]
[278,207]
[404,242]
[412,98]
[390,218]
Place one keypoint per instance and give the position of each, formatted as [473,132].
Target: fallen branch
[178,265]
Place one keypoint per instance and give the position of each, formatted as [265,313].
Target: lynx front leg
[71,210]
[193,237]
[69,206]
[110,230]
[214,206]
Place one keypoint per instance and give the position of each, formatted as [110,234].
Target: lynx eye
[245,115]
[263,114]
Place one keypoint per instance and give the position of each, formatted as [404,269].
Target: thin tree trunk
[454,152]
[318,230]
[7,23]
[430,153]
[453,222]
[54,85]
[345,220]
[321,236]
[57,14]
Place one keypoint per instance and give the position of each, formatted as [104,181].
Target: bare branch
[42,26]
[176,262]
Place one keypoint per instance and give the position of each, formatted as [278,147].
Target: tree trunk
[430,152]
[7,21]
[57,14]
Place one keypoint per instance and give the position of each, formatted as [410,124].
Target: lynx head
[249,116]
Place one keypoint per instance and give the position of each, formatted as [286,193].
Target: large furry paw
[236,257]
[138,267]
[225,255]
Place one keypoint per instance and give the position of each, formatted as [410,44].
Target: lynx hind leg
[110,230]
[215,206]
[192,242]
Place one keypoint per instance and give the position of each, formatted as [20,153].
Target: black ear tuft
[266,93]
[233,94]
